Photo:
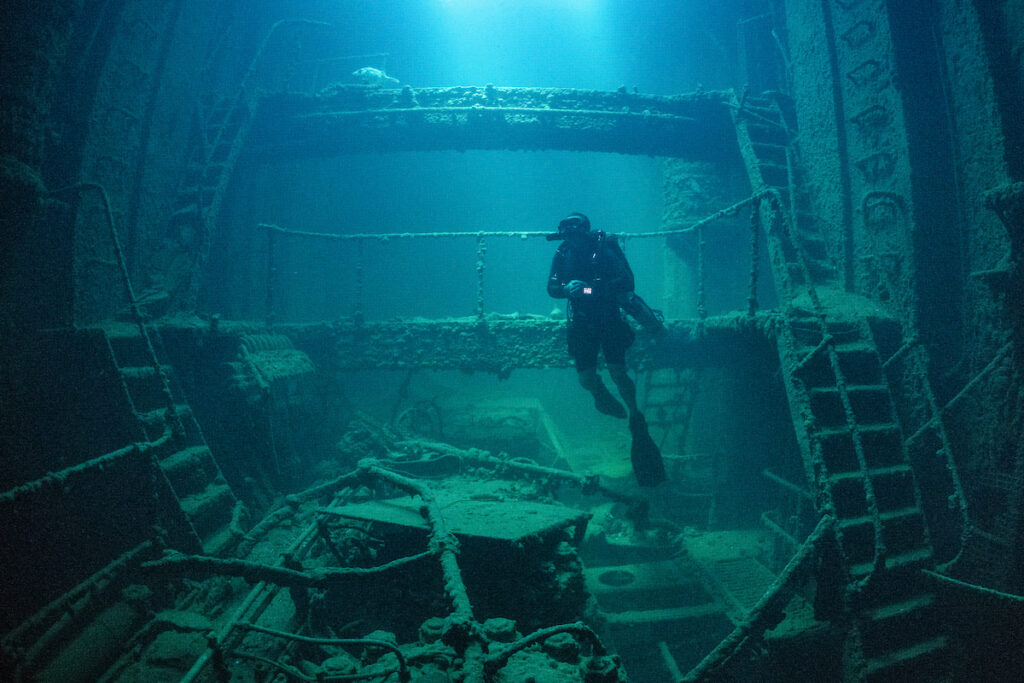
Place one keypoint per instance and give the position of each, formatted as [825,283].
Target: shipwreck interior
[282,395]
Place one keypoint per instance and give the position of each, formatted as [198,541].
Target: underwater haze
[512,340]
[659,46]
[656,47]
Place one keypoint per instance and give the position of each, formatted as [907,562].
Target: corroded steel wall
[846,91]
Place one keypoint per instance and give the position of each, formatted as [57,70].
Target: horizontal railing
[274,232]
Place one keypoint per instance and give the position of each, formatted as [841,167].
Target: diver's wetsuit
[595,321]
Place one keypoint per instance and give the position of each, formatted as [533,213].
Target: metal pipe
[498,659]
[759,619]
[383,644]
[69,604]
[481,253]
[463,630]
[669,661]
[786,484]
[1016,600]
[938,412]
[774,527]
[59,478]
[755,227]
[259,589]
[178,565]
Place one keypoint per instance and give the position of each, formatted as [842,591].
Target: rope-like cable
[517,234]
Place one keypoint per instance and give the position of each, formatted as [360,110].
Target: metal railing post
[481,252]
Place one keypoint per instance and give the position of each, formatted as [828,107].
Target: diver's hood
[573,224]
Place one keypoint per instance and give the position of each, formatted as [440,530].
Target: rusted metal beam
[354,119]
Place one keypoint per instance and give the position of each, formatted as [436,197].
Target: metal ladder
[858,460]
[221,130]
[666,400]
[203,495]
[852,444]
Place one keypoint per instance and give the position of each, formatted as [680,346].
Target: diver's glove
[578,288]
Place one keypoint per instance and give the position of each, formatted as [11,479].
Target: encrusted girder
[500,344]
[352,119]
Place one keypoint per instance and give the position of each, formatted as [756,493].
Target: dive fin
[647,463]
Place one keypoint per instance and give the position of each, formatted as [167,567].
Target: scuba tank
[651,320]
[636,308]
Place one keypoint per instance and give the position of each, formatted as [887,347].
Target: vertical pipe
[481,251]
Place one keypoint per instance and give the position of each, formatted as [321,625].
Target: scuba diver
[590,270]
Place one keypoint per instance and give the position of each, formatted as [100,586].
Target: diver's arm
[556,283]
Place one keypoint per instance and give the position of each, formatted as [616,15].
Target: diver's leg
[603,399]
[584,345]
[617,338]
[625,385]
[589,379]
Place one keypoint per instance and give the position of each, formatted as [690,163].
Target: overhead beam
[355,119]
